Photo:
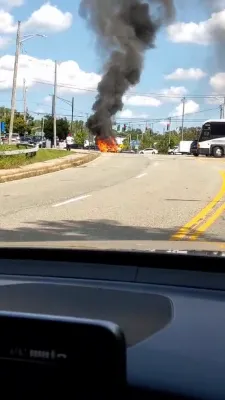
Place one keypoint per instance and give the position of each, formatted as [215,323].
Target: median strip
[41,168]
[204,219]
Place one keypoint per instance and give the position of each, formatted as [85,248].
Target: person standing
[69,142]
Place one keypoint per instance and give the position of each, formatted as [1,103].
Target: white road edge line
[72,200]
[141,176]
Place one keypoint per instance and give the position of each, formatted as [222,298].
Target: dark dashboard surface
[174,320]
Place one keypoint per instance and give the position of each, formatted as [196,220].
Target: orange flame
[107,145]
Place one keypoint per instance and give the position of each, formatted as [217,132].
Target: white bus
[211,141]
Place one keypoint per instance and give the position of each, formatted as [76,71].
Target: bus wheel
[217,152]
[196,154]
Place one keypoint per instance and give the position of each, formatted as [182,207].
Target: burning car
[107,145]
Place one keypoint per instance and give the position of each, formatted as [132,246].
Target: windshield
[105,140]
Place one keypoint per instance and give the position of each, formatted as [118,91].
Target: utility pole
[15,72]
[223,107]
[169,129]
[221,111]
[42,130]
[183,112]
[54,105]
[24,100]
[72,114]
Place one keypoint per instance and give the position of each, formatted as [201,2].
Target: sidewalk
[46,167]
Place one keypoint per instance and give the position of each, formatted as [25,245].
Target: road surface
[126,199]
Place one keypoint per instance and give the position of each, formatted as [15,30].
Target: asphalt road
[122,199]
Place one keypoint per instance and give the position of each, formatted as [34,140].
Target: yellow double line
[204,219]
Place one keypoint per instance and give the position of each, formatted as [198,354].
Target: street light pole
[13,98]
[19,42]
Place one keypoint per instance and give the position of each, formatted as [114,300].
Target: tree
[77,126]
[62,127]
[30,123]
[81,136]
[4,111]
[19,125]
[147,140]
[81,133]
[190,133]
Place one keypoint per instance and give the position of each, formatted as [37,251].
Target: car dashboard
[169,306]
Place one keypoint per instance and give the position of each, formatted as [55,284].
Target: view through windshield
[112,123]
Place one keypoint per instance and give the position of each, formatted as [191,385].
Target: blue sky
[188,44]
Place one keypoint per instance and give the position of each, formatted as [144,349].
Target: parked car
[174,150]
[151,150]
[38,141]
[15,138]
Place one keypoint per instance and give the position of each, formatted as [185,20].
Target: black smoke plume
[125,29]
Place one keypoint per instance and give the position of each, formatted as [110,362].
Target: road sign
[2,127]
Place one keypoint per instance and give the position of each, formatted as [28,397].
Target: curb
[60,165]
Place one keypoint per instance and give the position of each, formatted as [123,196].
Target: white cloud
[204,32]
[173,94]
[126,113]
[190,107]
[39,110]
[217,4]
[47,99]
[164,123]
[36,70]
[4,41]
[7,23]
[142,101]
[7,4]
[186,74]
[217,83]
[215,100]
[49,19]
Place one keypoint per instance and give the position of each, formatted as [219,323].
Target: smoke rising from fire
[125,29]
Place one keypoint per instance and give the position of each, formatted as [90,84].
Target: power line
[131,120]
[149,94]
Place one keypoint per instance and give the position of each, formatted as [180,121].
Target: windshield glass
[106,139]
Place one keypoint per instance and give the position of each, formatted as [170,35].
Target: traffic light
[118,128]
[168,124]
[124,128]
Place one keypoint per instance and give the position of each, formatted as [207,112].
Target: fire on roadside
[107,145]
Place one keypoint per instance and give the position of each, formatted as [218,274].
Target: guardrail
[30,151]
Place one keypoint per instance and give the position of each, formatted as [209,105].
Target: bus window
[206,133]
[217,130]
